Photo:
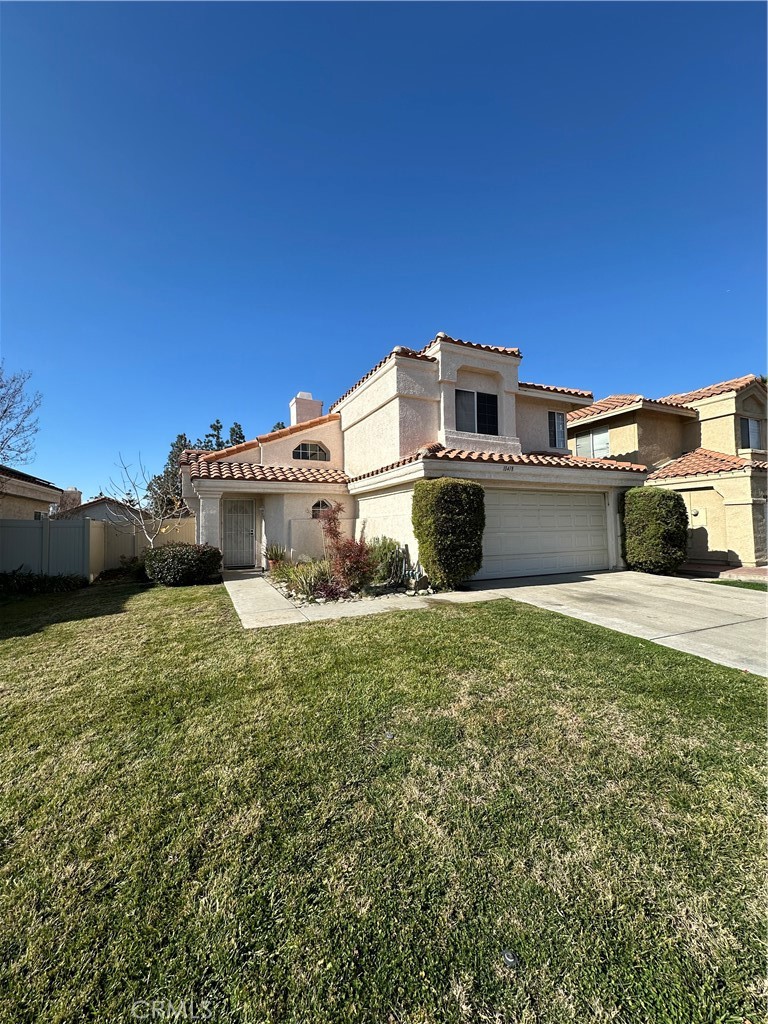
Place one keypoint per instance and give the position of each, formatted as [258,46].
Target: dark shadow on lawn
[23,616]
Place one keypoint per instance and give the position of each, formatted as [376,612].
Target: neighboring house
[107,510]
[25,497]
[455,409]
[708,444]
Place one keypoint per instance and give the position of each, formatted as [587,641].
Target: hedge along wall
[655,529]
[448,522]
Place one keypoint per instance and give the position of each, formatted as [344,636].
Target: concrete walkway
[258,603]
[727,625]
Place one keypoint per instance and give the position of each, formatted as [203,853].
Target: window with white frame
[319,507]
[594,445]
[557,434]
[477,412]
[751,434]
[311,451]
[41,515]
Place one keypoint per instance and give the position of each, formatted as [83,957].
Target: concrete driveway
[724,624]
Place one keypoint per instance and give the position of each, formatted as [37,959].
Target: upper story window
[557,434]
[41,515]
[477,412]
[751,433]
[312,451]
[319,507]
[594,446]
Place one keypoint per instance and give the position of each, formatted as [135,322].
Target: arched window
[312,451]
[319,507]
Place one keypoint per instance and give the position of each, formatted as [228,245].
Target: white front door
[239,532]
[532,533]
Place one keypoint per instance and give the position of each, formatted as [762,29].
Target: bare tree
[18,423]
[128,499]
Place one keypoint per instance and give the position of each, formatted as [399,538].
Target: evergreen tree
[164,489]
[278,426]
[236,435]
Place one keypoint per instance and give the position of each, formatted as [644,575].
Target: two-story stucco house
[453,408]
[25,497]
[708,444]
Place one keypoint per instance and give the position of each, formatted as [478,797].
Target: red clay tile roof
[472,344]
[609,404]
[735,384]
[399,350]
[305,425]
[436,451]
[253,473]
[702,462]
[554,388]
[614,403]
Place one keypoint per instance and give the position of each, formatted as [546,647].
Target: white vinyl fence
[82,547]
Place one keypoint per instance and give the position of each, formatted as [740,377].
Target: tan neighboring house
[25,497]
[708,444]
[453,408]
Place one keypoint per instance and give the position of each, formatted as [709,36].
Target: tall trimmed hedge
[448,522]
[655,529]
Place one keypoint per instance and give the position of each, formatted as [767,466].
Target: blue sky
[209,207]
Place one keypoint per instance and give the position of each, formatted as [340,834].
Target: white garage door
[531,533]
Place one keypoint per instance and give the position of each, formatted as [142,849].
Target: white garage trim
[535,533]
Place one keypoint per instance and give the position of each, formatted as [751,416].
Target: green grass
[747,584]
[350,821]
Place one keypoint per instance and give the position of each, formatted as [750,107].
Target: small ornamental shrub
[448,522]
[306,578]
[655,529]
[390,562]
[180,565]
[17,582]
[351,561]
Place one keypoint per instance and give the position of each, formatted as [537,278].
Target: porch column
[210,519]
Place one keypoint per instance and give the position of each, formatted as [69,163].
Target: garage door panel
[539,532]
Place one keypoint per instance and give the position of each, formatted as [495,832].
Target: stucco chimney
[304,407]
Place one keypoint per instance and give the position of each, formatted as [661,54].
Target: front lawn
[351,821]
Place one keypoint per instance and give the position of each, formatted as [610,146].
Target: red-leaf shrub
[352,563]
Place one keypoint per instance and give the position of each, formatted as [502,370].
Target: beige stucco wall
[390,416]
[280,451]
[716,426]
[661,437]
[287,521]
[13,506]
[533,422]
[388,514]
[730,525]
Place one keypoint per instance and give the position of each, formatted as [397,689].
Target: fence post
[87,548]
[45,546]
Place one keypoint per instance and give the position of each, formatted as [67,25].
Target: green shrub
[655,529]
[275,553]
[29,583]
[179,564]
[306,578]
[390,561]
[448,521]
